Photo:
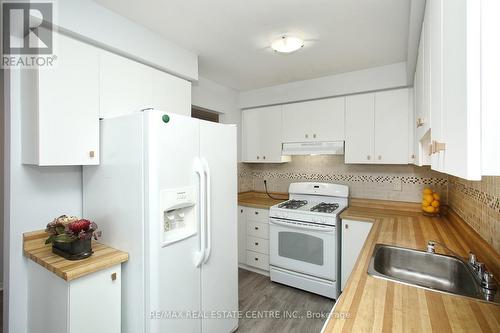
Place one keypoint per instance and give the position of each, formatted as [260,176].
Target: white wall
[88,20]
[372,79]
[212,96]
[35,195]
[2,140]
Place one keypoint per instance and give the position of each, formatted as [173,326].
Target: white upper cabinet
[320,120]
[360,128]
[377,128]
[262,135]
[490,86]
[451,90]
[251,136]
[435,12]
[128,86]
[459,145]
[391,127]
[422,101]
[170,93]
[60,111]
[425,115]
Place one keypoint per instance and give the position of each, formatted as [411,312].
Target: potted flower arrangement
[71,237]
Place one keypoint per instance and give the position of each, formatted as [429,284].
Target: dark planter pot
[75,250]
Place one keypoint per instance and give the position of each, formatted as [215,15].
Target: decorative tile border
[475,194]
[347,178]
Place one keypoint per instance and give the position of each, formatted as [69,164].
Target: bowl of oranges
[430,202]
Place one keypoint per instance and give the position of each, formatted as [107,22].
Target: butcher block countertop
[260,199]
[370,304]
[34,248]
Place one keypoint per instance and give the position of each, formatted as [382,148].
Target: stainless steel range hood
[313,148]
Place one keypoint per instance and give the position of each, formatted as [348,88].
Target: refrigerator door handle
[208,206]
[198,169]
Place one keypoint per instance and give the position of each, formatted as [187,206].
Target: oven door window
[301,247]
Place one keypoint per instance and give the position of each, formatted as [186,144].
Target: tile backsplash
[478,204]
[384,182]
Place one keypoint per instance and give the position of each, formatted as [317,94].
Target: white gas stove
[304,241]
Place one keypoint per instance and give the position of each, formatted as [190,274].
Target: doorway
[204,114]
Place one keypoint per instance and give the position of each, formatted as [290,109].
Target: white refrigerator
[166,192]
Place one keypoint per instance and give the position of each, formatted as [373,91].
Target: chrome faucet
[486,278]
[431,248]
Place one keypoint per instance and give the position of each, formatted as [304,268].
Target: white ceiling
[232,37]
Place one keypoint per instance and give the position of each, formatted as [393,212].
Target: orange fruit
[436,196]
[428,197]
[429,209]
[425,203]
[435,204]
[427,191]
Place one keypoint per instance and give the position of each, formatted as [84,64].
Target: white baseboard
[253,269]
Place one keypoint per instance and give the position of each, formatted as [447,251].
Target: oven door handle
[302,226]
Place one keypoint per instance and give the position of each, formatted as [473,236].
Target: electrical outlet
[397,185]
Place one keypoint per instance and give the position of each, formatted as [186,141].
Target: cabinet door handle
[256,228]
[437,146]
[263,157]
[113,276]
[307,136]
[379,157]
[347,226]
[241,211]
[256,213]
[257,243]
[314,136]
[91,154]
[368,157]
[257,157]
[420,122]
[256,259]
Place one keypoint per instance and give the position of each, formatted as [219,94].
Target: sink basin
[427,270]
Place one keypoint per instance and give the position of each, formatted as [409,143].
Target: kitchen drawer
[256,214]
[257,229]
[258,260]
[258,245]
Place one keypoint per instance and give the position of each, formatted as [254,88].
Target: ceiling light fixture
[287,44]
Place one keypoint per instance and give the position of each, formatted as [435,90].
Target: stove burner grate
[325,207]
[292,204]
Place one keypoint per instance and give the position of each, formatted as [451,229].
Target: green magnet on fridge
[165,118]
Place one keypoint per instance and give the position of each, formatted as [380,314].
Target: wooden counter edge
[491,259]
[110,260]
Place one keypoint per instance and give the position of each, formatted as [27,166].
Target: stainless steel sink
[427,270]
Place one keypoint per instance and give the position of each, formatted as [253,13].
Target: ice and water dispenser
[178,214]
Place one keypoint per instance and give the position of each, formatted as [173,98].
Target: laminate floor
[264,305]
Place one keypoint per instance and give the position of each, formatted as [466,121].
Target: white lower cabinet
[256,244]
[91,303]
[258,260]
[253,238]
[242,235]
[354,234]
